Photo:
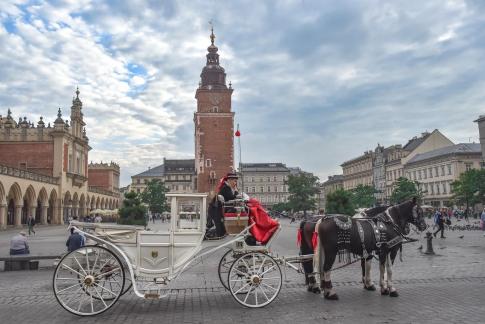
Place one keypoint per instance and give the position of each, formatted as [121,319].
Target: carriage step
[152,295]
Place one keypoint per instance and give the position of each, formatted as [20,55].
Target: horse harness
[379,224]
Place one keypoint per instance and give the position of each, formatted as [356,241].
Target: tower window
[214,109]
[208,163]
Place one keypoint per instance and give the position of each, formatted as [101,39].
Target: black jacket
[227,193]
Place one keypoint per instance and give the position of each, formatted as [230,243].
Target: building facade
[481,130]
[265,182]
[214,124]
[44,171]
[333,183]
[178,175]
[417,145]
[358,171]
[437,169]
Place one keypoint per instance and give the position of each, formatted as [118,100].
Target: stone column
[3,217]
[18,216]
[43,215]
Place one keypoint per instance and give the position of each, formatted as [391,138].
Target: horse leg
[389,263]
[310,280]
[326,284]
[382,271]
[366,266]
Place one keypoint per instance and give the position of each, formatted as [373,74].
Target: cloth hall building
[44,171]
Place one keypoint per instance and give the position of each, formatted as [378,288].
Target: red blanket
[265,225]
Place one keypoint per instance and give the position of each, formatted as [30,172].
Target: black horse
[383,234]
[305,249]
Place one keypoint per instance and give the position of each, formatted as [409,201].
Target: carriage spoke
[262,283]
[75,285]
[267,270]
[100,297]
[79,264]
[87,260]
[262,264]
[240,289]
[262,290]
[92,305]
[238,280]
[80,302]
[241,273]
[109,291]
[71,269]
[94,264]
[106,273]
[247,295]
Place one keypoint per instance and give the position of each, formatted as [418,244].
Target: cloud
[316,83]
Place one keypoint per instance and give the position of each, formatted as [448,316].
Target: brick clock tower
[214,124]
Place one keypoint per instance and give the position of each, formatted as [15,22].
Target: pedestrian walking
[439,219]
[31,224]
[98,219]
[75,241]
[482,220]
[19,245]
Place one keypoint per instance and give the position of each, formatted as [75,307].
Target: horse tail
[318,253]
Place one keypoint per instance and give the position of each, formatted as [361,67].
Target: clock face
[215,99]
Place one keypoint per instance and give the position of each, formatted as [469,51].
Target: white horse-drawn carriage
[89,280]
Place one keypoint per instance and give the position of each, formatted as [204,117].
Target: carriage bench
[25,261]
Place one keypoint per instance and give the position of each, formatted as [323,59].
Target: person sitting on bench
[19,245]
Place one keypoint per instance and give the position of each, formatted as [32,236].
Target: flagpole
[238,135]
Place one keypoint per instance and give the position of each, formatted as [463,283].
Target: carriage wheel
[128,283]
[89,280]
[255,279]
[224,266]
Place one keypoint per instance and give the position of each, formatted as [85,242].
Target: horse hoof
[384,292]
[393,294]
[316,290]
[370,288]
[331,297]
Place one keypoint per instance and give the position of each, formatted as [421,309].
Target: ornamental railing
[24,174]
[103,191]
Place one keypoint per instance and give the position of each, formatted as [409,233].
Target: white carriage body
[163,252]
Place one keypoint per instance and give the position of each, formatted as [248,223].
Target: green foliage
[340,202]
[469,189]
[405,189]
[132,212]
[154,196]
[363,196]
[280,207]
[302,188]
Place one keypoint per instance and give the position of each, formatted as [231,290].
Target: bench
[25,261]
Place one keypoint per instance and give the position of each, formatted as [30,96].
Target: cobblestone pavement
[448,288]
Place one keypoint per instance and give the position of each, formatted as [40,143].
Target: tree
[132,212]
[280,207]
[363,196]
[405,189]
[154,196]
[469,189]
[340,202]
[302,188]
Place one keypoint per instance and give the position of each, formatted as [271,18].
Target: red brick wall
[38,156]
[216,139]
[100,178]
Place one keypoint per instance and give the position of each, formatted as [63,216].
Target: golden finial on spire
[212,32]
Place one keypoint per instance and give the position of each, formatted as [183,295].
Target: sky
[315,83]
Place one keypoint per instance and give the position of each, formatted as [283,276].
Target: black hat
[232,175]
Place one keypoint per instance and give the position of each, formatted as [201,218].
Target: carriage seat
[236,216]
[117,235]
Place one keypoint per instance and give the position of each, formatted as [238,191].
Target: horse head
[408,212]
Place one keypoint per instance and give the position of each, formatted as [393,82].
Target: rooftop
[157,171]
[264,167]
[462,148]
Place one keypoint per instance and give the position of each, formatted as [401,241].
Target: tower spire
[212,36]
